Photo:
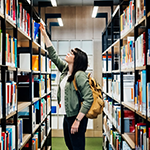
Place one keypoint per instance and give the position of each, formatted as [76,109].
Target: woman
[75,122]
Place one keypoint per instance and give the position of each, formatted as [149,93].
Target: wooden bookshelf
[35,44]
[140,21]
[140,114]
[43,142]
[22,105]
[148,14]
[11,68]
[115,71]
[129,138]
[26,137]
[36,127]
[1,15]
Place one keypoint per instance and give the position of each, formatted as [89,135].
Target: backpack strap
[74,83]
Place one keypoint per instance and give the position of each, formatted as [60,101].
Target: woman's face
[70,57]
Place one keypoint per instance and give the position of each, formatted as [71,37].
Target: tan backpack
[98,102]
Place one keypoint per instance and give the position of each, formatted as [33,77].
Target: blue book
[36,28]
[2,142]
[144,92]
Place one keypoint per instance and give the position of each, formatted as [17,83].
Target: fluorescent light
[95,9]
[60,21]
[54,4]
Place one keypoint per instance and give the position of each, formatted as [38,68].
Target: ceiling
[74,2]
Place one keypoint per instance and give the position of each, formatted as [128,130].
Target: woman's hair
[80,62]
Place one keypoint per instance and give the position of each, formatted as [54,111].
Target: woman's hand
[42,28]
[75,127]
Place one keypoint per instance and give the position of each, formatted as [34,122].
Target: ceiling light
[60,22]
[54,4]
[95,9]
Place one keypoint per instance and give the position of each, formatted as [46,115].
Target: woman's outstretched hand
[42,28]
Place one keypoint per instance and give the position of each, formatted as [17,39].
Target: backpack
[98,102]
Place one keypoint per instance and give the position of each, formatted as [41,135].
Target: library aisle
[115,34]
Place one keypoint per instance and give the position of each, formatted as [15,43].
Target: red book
[4,138]
[7,140]
[28,20]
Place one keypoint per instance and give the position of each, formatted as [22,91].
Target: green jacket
[71,98]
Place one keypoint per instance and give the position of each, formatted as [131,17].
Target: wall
[78,25]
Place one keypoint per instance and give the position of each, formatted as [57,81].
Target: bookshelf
[125,77]
[25,91]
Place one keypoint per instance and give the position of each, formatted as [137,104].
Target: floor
[91,144]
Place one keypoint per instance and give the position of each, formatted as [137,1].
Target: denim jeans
[74,141]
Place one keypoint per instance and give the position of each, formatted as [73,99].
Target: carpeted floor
[91,144]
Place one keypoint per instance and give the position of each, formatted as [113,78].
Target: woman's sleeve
[56,59]
[85,91]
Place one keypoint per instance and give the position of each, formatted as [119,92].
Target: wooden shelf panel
[140,21]
[49,147]
[11,68]
[10,115]
[128,33]
[42,143]
[35,45]
[22,70]
[10,23]
[129,138]
[35,99]
[148,14]
[22,105]
[140,114]
[106,72]
[129,105]
[36,127]
[43,51]
[36,71]
[128,70]
[1,15]
[22,35]
[116,71]
[141,68]
[26,137]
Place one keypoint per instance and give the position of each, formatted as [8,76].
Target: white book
[24,61]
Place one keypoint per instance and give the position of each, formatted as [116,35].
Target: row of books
[140,92]
[104,63]
[113,136]
[11,51]
[140,47]
[127,54]
[10,10]
[24,62]
[20,132]
[8,140]
[11,97]
[127,18]
[35,141]
[23,19]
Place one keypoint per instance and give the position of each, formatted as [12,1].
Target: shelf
[140,114]
[10,115]
[149,119]
[129,138]
[26,137]
[35,45]
[22,70]
[1,15]
[11,68]
[42,143]
[115,71]
[128,33]
[10,22]
[141,68]
[148,14]
[45,73]
[43,51]
[22,35]
[35,99]
[36,72]
[140,21]
[106,72]
[128,70]
[116,10]
[49,147]
[129,105]
[48,131]
[22,105]
[36,127]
